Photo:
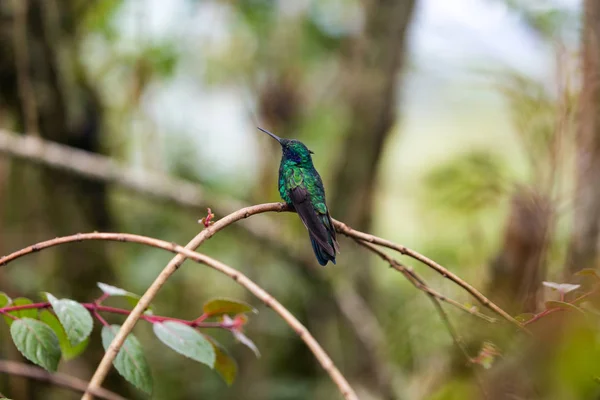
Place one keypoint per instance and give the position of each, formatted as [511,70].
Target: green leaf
[68,351]
[131,298]
[37,342]
[4,300]
[218,307]
[524,317]
[28,313]
[563,305]
[76,320]
[225,365]
[130,362]
[186,341]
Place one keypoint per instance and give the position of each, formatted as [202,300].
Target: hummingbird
[301,188]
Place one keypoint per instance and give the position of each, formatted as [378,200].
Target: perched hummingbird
[300,186]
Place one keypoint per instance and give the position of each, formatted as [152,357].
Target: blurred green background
[446,126]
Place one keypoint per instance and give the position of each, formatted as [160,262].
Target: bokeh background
[447,126]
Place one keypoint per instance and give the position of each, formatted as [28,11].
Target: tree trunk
[44,91]
[369,92]
[370,89]
[518,269]
[583,249]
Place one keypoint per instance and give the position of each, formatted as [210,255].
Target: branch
[163,188]
[159,188]
[347,231]
[171,267]
[419,283]
[104,169]
[184,193]
[184,253]
[156,186]
[58,379]
[435,297]
[576,301]
[361,237]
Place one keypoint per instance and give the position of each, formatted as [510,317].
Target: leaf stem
[100,299]
[99,318]
[95,308]
[8,315]
[553,310]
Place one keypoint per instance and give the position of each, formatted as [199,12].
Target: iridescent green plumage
[300,186]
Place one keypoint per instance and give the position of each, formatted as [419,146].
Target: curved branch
[347,231]
[360,237]
[57,379]
[234,274]
[172,266]
[435,297]
[180,192]
[419,283]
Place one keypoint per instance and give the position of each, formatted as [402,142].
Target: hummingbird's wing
[331,229]
[312,219]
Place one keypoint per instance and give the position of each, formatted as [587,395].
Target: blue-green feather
[301,187]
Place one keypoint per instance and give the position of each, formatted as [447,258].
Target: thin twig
[461,346]
[104,169]
[234,274]
[555,309]
[420,284]
[21,53]
[152,185]
[435,298]
[184,193]
[171,267]
[95,308]
[159,187]
[57,379]
[101,168]
[244,213]
[453,333]
[346,230]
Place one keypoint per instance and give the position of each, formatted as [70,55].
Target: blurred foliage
[545,17]
[455,390]
[468,185]
[542,119]
[460,203]
[100,19]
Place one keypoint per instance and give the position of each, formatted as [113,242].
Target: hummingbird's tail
[322,256]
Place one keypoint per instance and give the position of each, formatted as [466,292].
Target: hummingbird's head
[293,150]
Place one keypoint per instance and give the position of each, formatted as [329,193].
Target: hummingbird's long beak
[270,134]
